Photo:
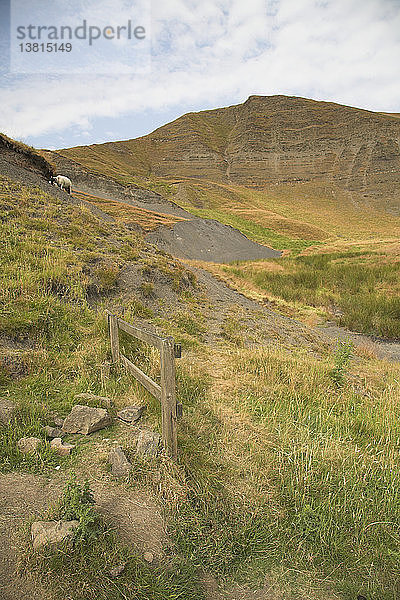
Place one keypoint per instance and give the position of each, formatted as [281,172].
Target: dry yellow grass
[126,214]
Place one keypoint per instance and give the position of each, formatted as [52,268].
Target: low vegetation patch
[99,566]
[287,472]
[361,288]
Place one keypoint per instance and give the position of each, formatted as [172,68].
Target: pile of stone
[85,420]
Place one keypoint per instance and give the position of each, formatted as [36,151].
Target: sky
[198,54]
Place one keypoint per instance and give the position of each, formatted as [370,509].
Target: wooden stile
[168,397]
[165,392]
[150,385]
[114,338]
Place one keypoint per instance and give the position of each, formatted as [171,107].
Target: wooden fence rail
[165,392]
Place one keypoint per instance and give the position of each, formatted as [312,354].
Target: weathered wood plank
[114,337]
[144,336]
[144,379]
[168,398]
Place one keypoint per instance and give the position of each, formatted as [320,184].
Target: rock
[102,400]
[60,448]
[53,432]
[148,557]
[131,414]
[7,411]
[28,445]
[52,532]
[148,443]
[85,419]
[116,571]
[58,421]
[120,465]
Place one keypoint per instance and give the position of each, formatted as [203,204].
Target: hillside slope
[281,471]
[287,481]
[264,142]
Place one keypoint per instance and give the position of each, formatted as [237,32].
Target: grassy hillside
[288,473]
[340,252]
[309,178]
[266,142]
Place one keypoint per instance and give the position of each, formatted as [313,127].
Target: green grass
[50,257]
[312,487]
[255,231]
[83,574]
[364,286]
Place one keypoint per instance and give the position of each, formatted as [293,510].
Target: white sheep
[62,182]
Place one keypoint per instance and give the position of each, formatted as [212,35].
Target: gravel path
[385,349]
[195,238]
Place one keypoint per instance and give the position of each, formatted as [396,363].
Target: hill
[308,178]
[265,142]
[286,485]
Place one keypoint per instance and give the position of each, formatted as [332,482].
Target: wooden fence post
[114,337]
[168,398]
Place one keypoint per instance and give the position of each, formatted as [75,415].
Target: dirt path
[133,514]
[22,497]
[379,347]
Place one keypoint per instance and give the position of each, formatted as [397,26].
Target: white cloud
[220,51]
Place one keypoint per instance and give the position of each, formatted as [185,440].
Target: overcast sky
[212,53]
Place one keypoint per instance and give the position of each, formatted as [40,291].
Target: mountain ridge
[267,140]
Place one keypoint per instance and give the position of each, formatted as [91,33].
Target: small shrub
[77,503]
[343,355]
[107,276]
[147,289]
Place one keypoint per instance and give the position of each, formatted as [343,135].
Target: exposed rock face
[7,411]
[120,465]
[148,444]
[28,445]
[52,532]
[53,432]
[85,420]
[131,414]
[271,140]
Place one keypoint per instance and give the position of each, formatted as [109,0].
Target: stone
[7,411]
[148,444]
[120,465]
[131,414]
[58,421]
[52,532]
[60,448]
[148,557]
[28,445]
[53,432]
[102,400]
[85,420]
[116,571]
